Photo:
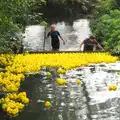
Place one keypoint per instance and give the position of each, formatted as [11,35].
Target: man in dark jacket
[90,44]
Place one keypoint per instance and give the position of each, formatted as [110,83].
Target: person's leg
[55,47]
[85,48]
[88,48]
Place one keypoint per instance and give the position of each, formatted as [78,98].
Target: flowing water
[89,101]
[72,34]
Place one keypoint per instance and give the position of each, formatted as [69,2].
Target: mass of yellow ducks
[17,65]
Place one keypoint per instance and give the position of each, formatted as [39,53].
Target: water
[90,101]
[72,34]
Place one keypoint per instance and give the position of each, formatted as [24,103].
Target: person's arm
[61,37]
[48,35]
[99,46]
[81,44]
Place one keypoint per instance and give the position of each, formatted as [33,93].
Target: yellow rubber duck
[112,87]
[48,74]
[78,82]
[60,81]
[61,71]
[4,107]
[47,104]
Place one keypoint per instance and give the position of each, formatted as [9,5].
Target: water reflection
[73,35]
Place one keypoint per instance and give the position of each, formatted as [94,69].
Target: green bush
[104,7]
[106,24]
[14,16]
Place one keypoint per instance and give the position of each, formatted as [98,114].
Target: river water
[72,34]
[89,101]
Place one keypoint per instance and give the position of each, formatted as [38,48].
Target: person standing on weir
[90,44]
[55,35]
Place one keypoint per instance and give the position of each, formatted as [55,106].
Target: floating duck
[112,87]
[60,81]
[61,71]
[47,104]
[48,74]
[78,82]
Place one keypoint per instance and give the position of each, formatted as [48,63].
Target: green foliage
[12,19]
[14,16]
[104,7]
[106,25]
[35,14]
[43,23]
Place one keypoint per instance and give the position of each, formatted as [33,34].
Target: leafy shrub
[14,16]
[106,25]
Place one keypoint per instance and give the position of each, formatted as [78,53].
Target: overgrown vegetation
[14,16]
[106,24]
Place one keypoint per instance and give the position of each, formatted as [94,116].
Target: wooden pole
[44,39]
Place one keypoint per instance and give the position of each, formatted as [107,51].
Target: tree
[107,28]
[106,24]
[12,19]
[14,16]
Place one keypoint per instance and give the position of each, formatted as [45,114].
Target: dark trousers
[88,48]
[55,46]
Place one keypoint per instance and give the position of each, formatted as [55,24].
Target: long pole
[44,39]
